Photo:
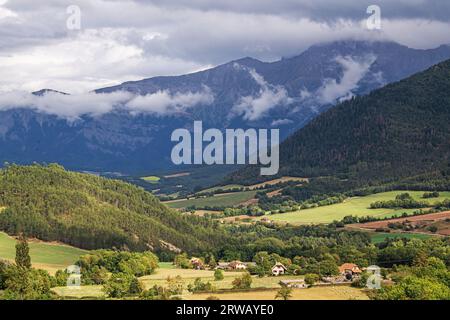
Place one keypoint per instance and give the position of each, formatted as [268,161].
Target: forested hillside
[398,131]
[91,212]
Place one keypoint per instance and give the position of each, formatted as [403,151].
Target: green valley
[47,256]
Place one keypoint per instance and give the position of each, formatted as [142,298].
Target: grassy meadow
[378,237]
[47,256]
[357,206]
[314,293]
[151,179]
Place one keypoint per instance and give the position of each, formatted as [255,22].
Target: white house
[278,269]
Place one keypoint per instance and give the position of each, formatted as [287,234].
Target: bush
[311,278]
[243,282]
[96,265]
[27,284]
[200,286]
[121,285]
[218,275]
[155,293]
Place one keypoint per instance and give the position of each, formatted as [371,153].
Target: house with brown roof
[349,268]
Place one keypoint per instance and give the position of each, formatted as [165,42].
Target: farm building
[234,265]
[237,265]
[197,263]
[349,268]
[278,269]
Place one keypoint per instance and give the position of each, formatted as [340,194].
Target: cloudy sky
[122,40]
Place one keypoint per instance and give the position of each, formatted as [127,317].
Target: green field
[378,237]
[95,291]
[47,256]
[314,293]
[219,200]
[224,188]
[357,206]
[151,179]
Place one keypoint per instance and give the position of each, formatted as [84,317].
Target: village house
[197,263]
[237,265]
[349,268]
[278,269]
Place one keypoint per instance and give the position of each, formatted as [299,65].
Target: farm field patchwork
[47,256]
[356,206]
[218,200]
[254,186]
[224,188]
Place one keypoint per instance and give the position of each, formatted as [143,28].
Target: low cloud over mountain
[71,107]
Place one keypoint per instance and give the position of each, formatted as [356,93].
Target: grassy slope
[358,206]
[230,199]
[43,255]
[90,212]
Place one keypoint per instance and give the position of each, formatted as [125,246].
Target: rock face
[285,94]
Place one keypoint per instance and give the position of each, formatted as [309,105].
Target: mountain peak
[45,91]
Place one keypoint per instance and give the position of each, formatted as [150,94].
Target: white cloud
[65,106]
[269,96]
[354,69]
[163,103]
[89,60]
[71,107]
[281,122]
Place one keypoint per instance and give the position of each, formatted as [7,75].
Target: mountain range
[127,127]
[396,132]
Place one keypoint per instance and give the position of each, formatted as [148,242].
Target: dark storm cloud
[124,40]
[320,9]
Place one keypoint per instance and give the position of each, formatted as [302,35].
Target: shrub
[218,275]
[243,282]
[311,278]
